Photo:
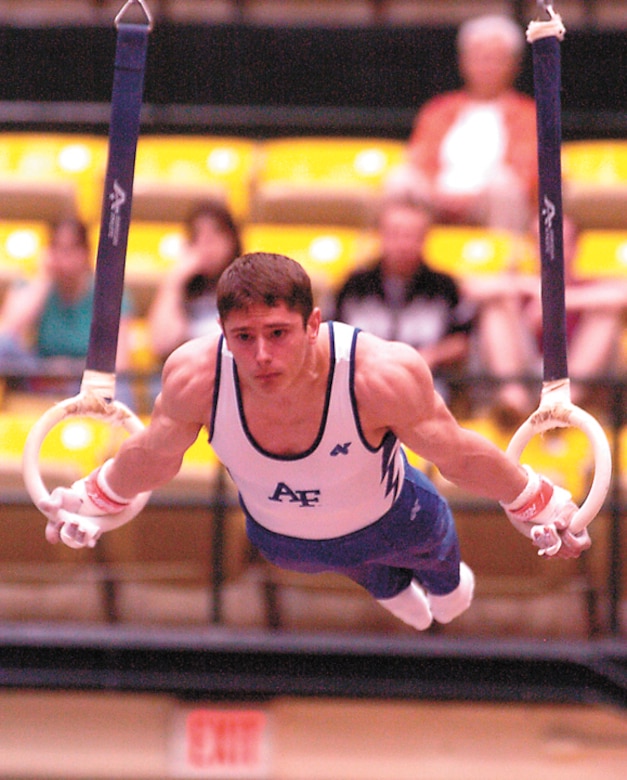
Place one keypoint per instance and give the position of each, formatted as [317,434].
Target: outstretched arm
[147,459]
[395,391]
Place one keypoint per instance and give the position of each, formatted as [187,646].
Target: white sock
[445,608]
[411,606]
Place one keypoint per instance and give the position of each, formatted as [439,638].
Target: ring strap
[126,101]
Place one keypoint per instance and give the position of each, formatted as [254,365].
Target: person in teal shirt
[45,322]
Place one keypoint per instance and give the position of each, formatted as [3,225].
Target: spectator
[472,151]
[45,322]
[401,298]
[185,303]
[510,330]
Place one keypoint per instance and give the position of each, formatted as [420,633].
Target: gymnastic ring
[567,415]
[85,404]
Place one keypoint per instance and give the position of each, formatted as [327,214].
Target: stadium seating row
[323,180]
[328,252]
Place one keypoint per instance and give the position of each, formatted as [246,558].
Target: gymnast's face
[271,346]
[488,66]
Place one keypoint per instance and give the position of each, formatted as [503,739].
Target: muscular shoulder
[392,382]
[188,380]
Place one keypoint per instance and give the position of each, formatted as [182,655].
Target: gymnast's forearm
[149,459]
[137,468]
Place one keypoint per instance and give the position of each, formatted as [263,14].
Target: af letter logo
[306,498]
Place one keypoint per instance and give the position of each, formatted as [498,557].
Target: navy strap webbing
[547,80]
[126,101]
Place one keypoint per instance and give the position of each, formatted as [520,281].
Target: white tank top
[337,486]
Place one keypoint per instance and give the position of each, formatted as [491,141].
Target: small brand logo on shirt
[340,449]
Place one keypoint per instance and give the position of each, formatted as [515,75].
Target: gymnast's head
[267,279]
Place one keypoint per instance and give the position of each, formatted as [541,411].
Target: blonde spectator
[472,152]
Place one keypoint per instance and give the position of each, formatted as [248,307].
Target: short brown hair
[267,279]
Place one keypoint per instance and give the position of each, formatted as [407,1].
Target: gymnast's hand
[543,511]
[71,512]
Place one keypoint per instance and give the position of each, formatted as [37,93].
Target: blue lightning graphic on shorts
[388,471]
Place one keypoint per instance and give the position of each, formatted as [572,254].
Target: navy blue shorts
[415,539]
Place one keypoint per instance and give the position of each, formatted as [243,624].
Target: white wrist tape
[532,500]
[97,496]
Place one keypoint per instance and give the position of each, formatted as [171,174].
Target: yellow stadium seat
[322,180]
[602,253]
[71,449]
[50,176]
[174,173]
[467,251]
[565,456]
[328,253]
[595,183]
[21,247]
[142,357]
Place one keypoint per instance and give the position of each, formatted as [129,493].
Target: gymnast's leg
[406,600]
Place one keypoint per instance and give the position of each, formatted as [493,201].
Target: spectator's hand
[189,264]
[544,511]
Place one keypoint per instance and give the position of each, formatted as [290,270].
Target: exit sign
[230,744]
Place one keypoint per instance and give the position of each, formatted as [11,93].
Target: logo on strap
[118,199]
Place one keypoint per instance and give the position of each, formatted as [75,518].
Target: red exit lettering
[222,738]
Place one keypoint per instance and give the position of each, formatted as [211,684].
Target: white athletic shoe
[446,608]
[411,606]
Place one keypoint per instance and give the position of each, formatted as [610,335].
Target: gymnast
[309,419]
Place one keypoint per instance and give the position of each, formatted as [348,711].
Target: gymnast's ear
[313,323]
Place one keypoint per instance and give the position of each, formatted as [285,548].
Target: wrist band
[103,483]
[530,489]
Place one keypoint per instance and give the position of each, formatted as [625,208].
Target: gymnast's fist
[543,511]
[71,512]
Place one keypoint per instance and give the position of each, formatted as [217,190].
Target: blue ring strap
[126,101]
[546,77]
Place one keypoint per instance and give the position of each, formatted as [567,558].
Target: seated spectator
[473,152]
[401,298]
[45,322]
[510,331]
[185,303]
